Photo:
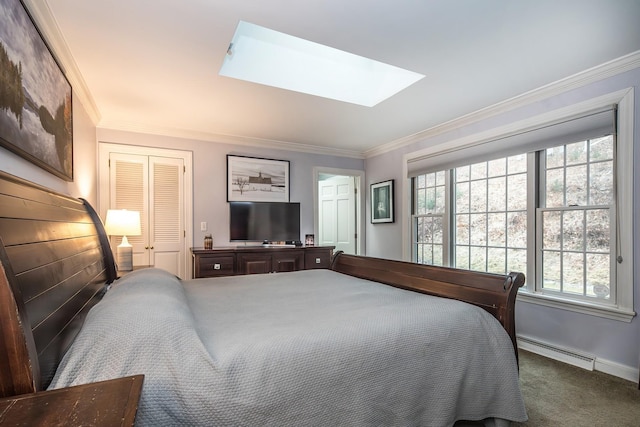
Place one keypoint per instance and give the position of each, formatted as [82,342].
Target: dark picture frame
[254,179]
[382,203]
[35,96]
[309,240]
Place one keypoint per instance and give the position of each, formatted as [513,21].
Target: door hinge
[184,233]
[184,169]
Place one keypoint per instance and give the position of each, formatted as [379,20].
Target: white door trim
[104,148]
[360,200]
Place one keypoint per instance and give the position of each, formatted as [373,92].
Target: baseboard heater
[563,354]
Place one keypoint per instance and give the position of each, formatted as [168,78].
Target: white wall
[84,161]
[210,181]
[612,341]
[384,240]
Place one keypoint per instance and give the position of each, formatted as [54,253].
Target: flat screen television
[264,221]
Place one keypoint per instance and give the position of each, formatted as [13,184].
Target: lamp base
[124,258]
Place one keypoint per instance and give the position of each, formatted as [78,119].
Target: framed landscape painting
[252,179]
[35,95]
[382,202]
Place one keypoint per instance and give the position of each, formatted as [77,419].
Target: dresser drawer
[212,266]
[320,258]
[229,261]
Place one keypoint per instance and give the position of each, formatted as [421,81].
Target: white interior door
[166,216]
[336,213]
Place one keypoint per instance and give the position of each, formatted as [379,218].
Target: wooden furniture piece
[319,338]
[495,293]
[258,259]
[55,263]
[105,403]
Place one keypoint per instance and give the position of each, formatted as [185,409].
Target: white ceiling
[152,65]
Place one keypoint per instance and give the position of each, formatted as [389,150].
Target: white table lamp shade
[122,222]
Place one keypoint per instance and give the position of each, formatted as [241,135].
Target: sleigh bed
[367,342]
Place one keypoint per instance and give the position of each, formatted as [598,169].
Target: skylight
[271,58]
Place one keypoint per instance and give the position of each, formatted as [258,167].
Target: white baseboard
[616,369]
[578,358]
[563,354]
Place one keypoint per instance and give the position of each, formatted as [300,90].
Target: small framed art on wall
[382,206]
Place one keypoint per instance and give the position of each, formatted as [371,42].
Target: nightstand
[105,403]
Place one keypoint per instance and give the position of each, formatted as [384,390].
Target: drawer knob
[216,266]
[317,260]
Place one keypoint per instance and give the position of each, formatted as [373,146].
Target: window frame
[505,210]
[444,215]
[566,207]
[622,308]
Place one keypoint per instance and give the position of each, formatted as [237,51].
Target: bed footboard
[493,292]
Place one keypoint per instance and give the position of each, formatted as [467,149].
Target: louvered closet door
[166,219]
[129,189]
[154,187]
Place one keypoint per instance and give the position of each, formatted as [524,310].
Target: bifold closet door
[166,218]
[154,187]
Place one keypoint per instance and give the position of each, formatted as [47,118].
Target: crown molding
[591,75]
[230,139]
[46,23]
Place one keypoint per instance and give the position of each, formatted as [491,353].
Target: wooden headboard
[496,293]
[55,265]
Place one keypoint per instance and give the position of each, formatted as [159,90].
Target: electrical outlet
[203,226]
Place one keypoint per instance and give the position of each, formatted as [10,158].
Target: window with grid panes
[489,217]
[567,179]
[575,219]
[429,199]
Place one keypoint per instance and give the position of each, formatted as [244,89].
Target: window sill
[611,312]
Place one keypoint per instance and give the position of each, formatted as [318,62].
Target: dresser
[230,261]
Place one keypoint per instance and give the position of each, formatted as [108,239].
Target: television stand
[230,261]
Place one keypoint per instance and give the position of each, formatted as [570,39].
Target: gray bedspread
[308,348]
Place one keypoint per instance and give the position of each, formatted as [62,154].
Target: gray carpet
[560,395]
